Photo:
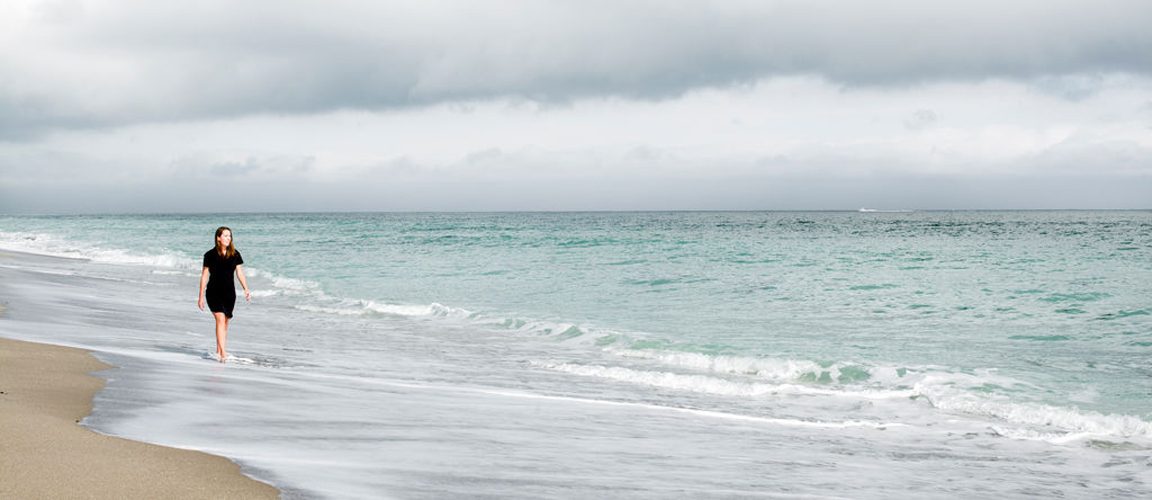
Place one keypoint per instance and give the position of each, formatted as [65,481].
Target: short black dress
[221,292]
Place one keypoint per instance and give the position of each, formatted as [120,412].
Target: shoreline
[45,392]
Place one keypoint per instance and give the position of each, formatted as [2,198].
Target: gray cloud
[201,165]
[1092,169]
[116,64]
[921,119]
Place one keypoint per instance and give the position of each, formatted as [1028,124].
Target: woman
[219,264]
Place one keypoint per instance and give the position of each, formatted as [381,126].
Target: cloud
[88,64]
[237,164]
[921,119]
[783,143]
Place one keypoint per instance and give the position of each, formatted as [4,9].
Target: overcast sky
[214,105]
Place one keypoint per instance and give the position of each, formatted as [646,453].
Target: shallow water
[859,355]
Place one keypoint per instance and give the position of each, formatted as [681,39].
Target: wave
[715,385]
[956,394]
[358,307]
[749,377]
[559,331]
[768,368]
[283,285]
[1037,421]
[163,264]
[54,246]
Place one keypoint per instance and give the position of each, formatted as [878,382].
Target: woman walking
[217,286]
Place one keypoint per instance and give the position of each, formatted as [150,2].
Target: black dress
[221,292]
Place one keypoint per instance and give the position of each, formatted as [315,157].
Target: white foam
[784,370]
[342,311]
[368,307]
[50,245]
[444,311]
[772,369]
[536,328]
[216,357]
[1033,435]
[354,307]
[1038,421]
[944,391]
[705,413]
[288,286]
[715,385]
[165,272]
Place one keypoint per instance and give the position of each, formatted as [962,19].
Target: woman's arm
[203,283]
[243,283]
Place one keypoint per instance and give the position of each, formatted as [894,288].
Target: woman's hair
[231,250]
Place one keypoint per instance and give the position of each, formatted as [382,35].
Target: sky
[482,105]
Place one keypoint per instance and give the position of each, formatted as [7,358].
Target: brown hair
[231,250]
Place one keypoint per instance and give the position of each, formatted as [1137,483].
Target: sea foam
[54,246]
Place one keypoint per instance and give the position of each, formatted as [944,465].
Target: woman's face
[225,239]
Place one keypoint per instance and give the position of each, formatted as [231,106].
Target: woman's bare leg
[221,335]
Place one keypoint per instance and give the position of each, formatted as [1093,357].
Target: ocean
[621,355]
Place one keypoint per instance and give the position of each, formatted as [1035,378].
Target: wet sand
[45,391]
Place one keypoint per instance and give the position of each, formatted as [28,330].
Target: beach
[45,392]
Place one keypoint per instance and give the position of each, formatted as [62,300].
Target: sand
[45,391]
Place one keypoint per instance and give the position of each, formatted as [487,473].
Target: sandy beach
[45,391]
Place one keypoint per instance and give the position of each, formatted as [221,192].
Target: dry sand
[44,453]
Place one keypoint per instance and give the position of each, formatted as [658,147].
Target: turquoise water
[1035,324]
[1060,297]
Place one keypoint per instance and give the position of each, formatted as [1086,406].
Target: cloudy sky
[274,105]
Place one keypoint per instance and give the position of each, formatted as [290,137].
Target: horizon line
[864,210]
